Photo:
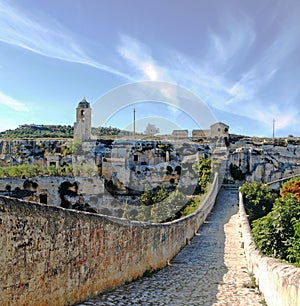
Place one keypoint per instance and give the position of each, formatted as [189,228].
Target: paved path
[210,271]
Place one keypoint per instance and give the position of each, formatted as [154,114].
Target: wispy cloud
[47,38]
[238,65]
[246,88]
[139,56]
[13,104]
[227,78]
[283,118]
[232,40]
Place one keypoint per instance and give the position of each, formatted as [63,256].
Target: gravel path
[212,270]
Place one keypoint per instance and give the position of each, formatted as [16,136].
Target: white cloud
[13,104]
[284,117]
[47,38]
[242,97]
[138,55]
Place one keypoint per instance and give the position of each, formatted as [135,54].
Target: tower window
[82,115]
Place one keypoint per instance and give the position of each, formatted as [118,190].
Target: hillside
[39,131]
[52,131]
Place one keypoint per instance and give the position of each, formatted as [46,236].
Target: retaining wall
[279,283]
[53,256]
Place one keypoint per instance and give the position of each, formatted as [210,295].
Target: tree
[203,170]
[52,170]
[160,195]
[291,187]
[173,205]
[68,169]
[68,151]
[146,197]
[169,208]
[191,206]
[294,250]
[13,171]
[2,172]
[258,199]
[277,233]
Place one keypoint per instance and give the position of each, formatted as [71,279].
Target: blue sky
[240,57]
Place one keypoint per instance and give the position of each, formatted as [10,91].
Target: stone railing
[53,256]
[278,282]
[278,183]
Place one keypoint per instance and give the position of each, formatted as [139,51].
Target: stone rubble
[212,270]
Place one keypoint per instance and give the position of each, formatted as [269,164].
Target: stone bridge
[220,266]
[53,256]
[211,270]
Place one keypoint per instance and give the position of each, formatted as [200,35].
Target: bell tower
[82,126]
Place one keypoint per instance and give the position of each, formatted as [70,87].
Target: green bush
[192,205]
[27,171]
[258,199]
[277,234]
[294,250]
[203,170]
[161,206]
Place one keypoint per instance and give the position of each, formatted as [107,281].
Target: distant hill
[52,131]
[39,131]
[105,131]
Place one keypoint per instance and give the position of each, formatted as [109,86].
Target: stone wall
[279,283]
[53,256]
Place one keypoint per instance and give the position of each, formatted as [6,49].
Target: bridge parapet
[53,256]
[279,282]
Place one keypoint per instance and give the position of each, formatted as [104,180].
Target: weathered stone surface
[89,187]
[265,163]
[54,256]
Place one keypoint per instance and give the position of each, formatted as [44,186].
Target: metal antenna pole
[273,130]
[134,121]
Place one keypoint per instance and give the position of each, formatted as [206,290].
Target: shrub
[203,170]
[258,199]
[277,234]
[192,205]
[292,186]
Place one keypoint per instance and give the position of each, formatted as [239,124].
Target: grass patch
[252,283]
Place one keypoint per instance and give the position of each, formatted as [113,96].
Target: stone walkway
[212,270]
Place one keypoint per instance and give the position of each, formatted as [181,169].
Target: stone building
[82,126]
[180,133]
[219,130]
[200,133]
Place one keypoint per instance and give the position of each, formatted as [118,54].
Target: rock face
[263,163]
[45,189]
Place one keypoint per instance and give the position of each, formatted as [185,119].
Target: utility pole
[134,121]
[273,130]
